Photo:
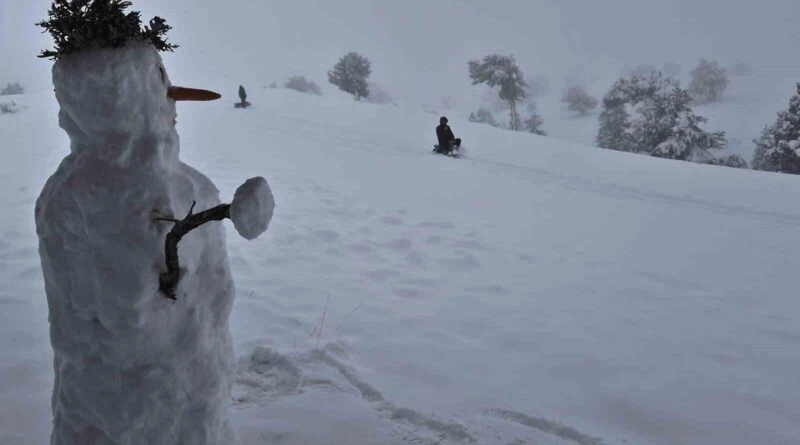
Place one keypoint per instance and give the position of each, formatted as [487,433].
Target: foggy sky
[419,48]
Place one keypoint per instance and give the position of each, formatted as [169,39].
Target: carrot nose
[181,93]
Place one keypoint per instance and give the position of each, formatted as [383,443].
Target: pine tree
[668,128]
[709,81]
[350,74]
[80,24]
[779,146]
[501,71]
[761,159]
[614,132]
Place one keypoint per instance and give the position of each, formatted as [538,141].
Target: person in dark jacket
[447,140]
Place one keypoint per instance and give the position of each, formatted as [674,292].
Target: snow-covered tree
[578,100]
[303,85]
[79,24]
[615,120]
[350,74]
[483,116]
[378,95]
[709,81]
[12,88]
[778,148]
[502,72]
[663,125]
[668,128]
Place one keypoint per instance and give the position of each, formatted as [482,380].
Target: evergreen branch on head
[81,24]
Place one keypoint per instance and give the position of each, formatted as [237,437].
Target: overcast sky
[419,48]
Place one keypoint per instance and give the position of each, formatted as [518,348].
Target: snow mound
[252,207]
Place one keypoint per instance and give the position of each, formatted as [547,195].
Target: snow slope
[536,291]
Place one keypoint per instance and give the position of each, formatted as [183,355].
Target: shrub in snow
[243,103]
[709,81]
[502,72]
[303,85]
[80,24]
[12,88]
[734,161]
[378,95]
[483,116]
[10,107]
[578,100]
[139,329]
[777,148]
[533,124]
[350,74]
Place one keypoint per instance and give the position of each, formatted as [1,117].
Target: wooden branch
[168,281]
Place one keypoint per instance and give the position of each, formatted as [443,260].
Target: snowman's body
[131,366]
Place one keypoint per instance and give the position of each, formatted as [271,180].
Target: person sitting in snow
[447,141]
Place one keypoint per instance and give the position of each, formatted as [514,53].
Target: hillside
[535,291]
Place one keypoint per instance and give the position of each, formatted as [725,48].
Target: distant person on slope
[447,141]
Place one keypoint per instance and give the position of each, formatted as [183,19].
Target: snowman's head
[119,100]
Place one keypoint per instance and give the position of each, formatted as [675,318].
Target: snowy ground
[535,292]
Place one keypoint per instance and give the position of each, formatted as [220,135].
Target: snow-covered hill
[536,291]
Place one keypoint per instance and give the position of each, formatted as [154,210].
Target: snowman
[134,259]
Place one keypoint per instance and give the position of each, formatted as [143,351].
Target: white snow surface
[534,292]
[252,208]
[131,366]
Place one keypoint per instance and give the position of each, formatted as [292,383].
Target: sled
[452,154]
